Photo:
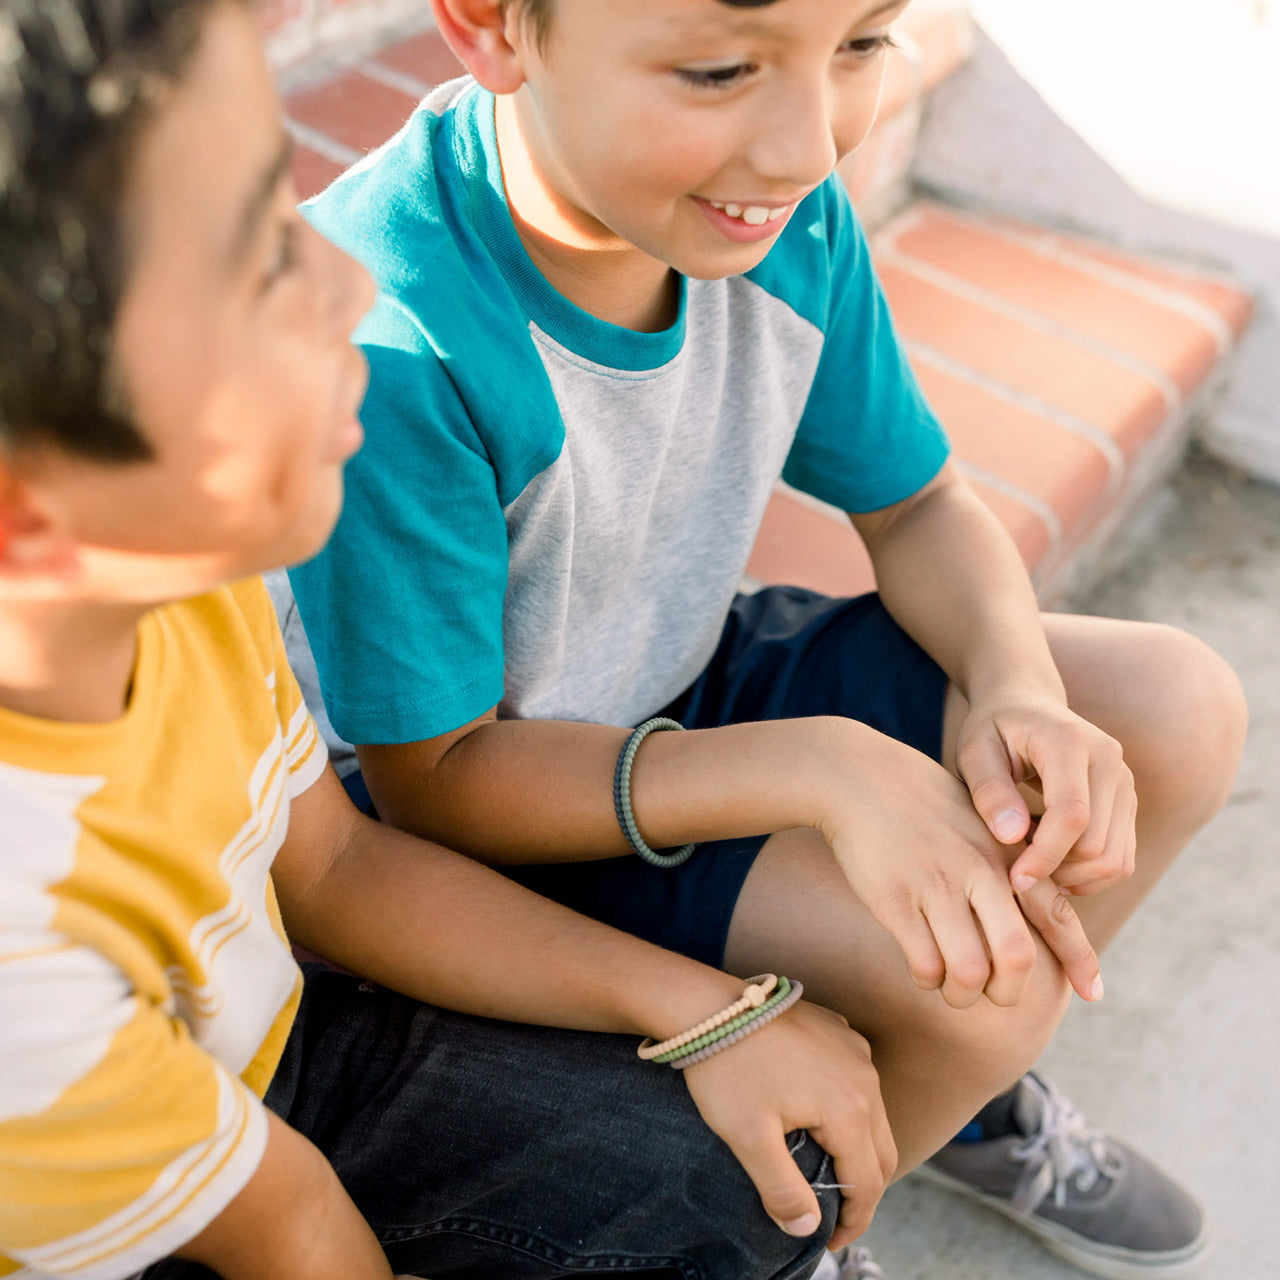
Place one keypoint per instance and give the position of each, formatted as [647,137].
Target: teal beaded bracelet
[622,797]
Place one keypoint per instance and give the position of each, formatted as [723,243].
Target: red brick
[352,109]
[808,548]
[424,56]
[1165,339]
[312,172]
[1126,405]
[1022,448]
[1232,305]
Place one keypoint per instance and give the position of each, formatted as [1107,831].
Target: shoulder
[820,248]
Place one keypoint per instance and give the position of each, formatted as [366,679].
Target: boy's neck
[68,662]
[603,275]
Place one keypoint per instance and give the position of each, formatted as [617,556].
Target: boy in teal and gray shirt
[621,293]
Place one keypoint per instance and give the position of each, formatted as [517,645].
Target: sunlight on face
[233,343]
[687,128]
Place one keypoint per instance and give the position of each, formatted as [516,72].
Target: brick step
[1067,373]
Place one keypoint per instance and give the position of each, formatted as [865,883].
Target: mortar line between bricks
[1076,426]
[1166,296]
[393,79]
[322,144]
[886,251]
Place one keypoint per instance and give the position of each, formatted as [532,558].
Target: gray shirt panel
[626,552]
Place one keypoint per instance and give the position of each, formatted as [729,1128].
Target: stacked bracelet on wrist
[763,1000]
[622,797]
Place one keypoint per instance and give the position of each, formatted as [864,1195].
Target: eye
[284,256]
[716,77]
[866,47]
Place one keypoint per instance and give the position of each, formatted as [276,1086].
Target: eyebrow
[260,199]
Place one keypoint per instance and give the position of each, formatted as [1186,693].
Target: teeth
[754,215]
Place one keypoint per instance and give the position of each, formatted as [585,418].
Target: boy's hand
[915,851]
[1085,839]
[807,1070]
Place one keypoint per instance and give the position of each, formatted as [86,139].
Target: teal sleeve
[867,438]
[403,607]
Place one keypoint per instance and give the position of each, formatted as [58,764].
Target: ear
[34,542]
[485,37]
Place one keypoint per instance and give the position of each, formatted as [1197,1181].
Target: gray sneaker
[1087,1198]
[851,1263]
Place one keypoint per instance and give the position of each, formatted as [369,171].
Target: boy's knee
[998,1044]
[1185,750]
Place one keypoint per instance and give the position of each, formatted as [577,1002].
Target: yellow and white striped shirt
[146,986]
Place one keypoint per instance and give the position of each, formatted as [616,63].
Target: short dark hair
[538,12]
[78,80]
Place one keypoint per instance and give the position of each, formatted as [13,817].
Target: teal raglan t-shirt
[552,513]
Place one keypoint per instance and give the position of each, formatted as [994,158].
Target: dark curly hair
[78,81]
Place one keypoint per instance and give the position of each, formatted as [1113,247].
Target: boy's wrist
[678,994]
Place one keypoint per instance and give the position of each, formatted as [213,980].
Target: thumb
[984,766]
[787,1197]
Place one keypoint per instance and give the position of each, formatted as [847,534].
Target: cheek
[856,110]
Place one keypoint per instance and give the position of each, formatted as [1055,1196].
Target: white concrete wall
[993,140]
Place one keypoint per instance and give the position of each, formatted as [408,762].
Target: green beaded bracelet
[780,993]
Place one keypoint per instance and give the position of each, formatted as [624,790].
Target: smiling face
[232,346]
[688,129]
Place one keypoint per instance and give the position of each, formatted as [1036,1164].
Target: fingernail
[804,1226]
[1096,991]
[1023,883]
[1008,824]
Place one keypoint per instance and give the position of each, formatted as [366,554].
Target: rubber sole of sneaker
[1108,1261]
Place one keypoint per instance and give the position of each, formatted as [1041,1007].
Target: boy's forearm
[953,579]
[442,928]
[293,1218]
[527,791]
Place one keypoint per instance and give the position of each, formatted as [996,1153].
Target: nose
[795,140]
[810,125]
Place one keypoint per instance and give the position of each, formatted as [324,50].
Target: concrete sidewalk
[1182,1058]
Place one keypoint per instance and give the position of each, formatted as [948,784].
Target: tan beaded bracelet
[753,996]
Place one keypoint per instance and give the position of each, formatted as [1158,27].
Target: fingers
[1097,864]
[786,1196]
[1089,809]
[863,1188]
[805,1071]
[1050,911]
[1009,941]
[985,767]
[1064,778]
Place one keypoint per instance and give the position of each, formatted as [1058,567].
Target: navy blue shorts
[785,652]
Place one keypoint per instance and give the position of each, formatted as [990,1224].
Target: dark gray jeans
[483,1150]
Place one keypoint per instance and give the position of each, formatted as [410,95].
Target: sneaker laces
[1064,1149]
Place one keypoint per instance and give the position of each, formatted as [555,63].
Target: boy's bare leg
[1178,711]
[937,1064]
